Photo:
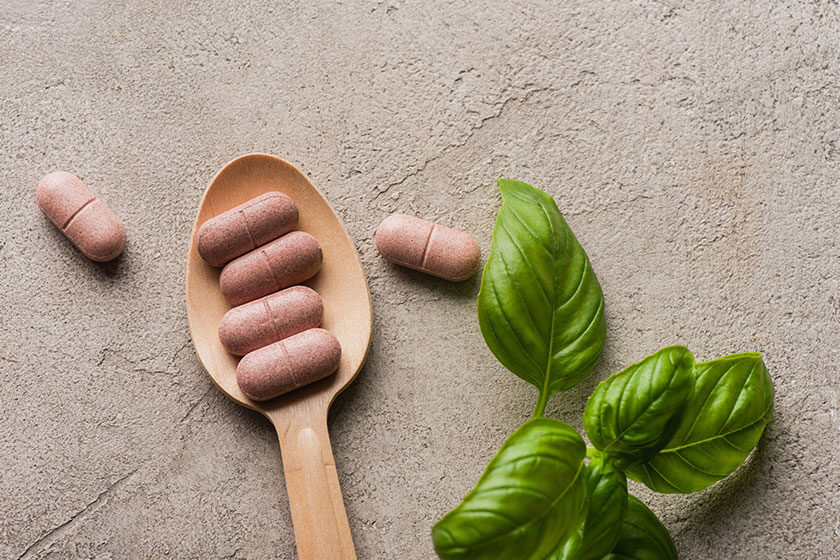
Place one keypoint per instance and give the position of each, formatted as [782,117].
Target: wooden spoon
[300,417]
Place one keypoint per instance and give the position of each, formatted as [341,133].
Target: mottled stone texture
[694,148]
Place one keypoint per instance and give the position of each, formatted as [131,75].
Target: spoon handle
[320,522]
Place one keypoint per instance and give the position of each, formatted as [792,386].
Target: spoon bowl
[300,417]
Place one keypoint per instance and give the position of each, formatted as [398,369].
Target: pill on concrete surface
[86,221]
[288,364]
[428,247]
[243,228]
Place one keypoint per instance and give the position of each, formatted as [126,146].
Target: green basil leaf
[629,416]
[642,536]
[723,419]
[540,307]
[606,505]
[528,501]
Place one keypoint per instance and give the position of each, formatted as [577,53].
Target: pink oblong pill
[428,247]
[290,260]
[90,225]
[245,227]
[288,364]
[274,317]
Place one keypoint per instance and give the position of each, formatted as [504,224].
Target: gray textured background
[693,149]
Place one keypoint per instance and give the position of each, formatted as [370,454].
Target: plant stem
[540,408]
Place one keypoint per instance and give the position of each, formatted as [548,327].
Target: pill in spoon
[271,318]
[288,364]
[289,260]
[243,228]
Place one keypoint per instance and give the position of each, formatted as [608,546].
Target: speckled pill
[428,247]
[288,364]
[290,260]
[233,233]
[84,219]
[271,318]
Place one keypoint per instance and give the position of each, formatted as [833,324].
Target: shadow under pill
[113,269]
[468,289]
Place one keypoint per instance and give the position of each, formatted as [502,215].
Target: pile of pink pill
[274,324]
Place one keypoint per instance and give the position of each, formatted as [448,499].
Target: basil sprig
[718,426]
[598,532]
[642,536]
[629,415]
[673,424]
[527,502]
[540,307]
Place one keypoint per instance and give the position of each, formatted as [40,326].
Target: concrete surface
[693,147]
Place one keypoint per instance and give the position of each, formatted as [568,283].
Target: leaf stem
[539,410]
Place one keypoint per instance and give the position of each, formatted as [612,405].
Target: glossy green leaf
[540,308]
[629,416]
[606,505]
[529,499]
[724,417]
[642,536]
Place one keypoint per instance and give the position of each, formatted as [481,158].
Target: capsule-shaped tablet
[83,218]
[284,262]
[271,318]
[233,233]
[288,364]
[428,247]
